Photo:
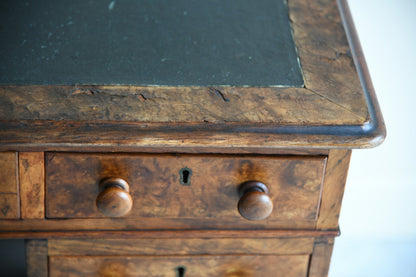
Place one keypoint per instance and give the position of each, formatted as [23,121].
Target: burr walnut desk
[189,138]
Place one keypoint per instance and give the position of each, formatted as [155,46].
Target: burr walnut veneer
[146,139]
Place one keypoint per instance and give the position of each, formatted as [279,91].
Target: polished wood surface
[83,257]
[32,184]
[328,69]
[181,246]
[224,266]
[147,224]
[211,194]
[214,243]
[331,200]
[114,199]
[184,152]
[9,195]
[321,258]
[114,202]
[104,234]
[9,206]
[255,202]
[8,173]
[93,136]
[376,122]
[37,258]
[181,104]
[338,113]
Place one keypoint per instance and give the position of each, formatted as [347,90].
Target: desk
[195,139]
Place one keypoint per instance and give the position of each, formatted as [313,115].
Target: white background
[378,218]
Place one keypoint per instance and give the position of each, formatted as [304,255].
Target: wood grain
[9,206]
[325,55]
[337,108]
[8,173]
[227,266]
[114,199]
[332,111]
[374,111]
[333,189]
[103,234]
[188,246]
[170,105]
[147,224]
[255,205]
[249,150]
[92,136]
[9,196]
[321,258]
[32,184]
[37,258]
[212,193]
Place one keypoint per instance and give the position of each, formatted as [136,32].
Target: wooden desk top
[332,105]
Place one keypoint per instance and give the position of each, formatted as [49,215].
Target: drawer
[182,266]
[176,256]
[186,190]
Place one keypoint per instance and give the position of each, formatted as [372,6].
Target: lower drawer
[181,266]
[174,256]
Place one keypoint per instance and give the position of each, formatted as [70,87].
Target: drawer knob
[114,199]
[255,202]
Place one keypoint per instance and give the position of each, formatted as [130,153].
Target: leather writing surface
[147,42]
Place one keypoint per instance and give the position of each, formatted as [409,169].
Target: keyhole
[185,176]
[181,271]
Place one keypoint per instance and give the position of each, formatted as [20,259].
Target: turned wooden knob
[114,199]
[255,203]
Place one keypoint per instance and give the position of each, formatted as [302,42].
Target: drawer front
[182,266]
[202,189]
[180,246]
